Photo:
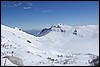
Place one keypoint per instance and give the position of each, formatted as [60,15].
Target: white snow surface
[73,50]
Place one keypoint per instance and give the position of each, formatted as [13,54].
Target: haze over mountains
[59,44]
[32,31]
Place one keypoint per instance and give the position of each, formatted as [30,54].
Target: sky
[41,14]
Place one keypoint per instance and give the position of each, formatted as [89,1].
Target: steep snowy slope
[58,45]
[18,43]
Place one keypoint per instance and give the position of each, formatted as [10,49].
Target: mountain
[81,30]
[32,31]
[63,36]
[57,28]
[60,44]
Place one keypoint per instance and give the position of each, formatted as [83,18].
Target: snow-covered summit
[55,27]
[60,25]
[66,29]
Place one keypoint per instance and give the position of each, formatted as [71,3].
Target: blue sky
[41,14]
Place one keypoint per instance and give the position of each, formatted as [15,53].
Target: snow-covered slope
[58,45]
[85,40]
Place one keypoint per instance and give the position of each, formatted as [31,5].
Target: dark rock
[28,41]
[95,62]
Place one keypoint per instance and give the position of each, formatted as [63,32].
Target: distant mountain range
[32,31]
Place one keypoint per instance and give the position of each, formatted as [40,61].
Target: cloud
[12,4]
[18,4]
[28,5]
[26,8]
[44,11]
[7,6]
[3,5]
[47,10]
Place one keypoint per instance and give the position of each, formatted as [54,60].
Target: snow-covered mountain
[56,28]
[58,45]
[81,30]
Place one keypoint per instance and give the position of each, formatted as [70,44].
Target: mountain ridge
[63,28]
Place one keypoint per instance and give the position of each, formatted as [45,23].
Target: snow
[34,50]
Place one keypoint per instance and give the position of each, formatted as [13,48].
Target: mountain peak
[59,25]
[55,27]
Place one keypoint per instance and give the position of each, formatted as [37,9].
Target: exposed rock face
[75,32]
[95,61]
[15,60]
